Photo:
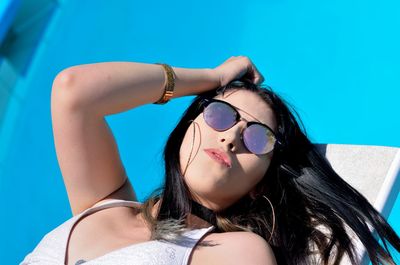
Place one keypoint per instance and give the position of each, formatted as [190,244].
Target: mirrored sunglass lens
[258,139]
[219,116]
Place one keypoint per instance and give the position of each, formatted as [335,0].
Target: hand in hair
[238,67]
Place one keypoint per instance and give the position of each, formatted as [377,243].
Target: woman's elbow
[65,90]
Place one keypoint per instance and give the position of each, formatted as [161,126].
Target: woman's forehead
[250,106]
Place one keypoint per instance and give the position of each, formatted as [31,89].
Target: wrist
[214,77]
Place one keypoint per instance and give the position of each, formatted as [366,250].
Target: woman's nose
[231,138]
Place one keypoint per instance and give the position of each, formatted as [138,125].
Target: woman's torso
[114,228]
[105,231]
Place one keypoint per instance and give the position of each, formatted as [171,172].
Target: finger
[230,58]
[258,77]
[259,80]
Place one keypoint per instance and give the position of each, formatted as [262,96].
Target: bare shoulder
[235,248]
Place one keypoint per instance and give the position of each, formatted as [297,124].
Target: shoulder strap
[109,203]
[197,235]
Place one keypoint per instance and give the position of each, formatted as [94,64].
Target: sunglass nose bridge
[244,126]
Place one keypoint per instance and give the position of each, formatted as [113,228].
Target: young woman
[243,184]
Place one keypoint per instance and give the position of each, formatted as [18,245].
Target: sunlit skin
[211,183]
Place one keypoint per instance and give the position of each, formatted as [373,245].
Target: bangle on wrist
[169,86]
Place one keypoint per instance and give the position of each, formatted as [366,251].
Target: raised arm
[83,95]
[86,149]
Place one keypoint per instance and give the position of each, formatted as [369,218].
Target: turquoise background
[336,62]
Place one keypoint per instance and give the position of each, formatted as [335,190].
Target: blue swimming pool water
[336,62]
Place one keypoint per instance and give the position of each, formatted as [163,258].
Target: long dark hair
[306,193]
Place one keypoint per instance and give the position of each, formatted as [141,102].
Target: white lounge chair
[373,170]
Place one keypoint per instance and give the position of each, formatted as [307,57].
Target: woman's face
[212,183]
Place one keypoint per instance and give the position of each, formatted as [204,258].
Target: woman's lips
[219,156]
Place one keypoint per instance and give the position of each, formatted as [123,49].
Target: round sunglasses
[257,137]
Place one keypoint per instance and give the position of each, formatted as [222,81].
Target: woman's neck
[200,216]
[204,213]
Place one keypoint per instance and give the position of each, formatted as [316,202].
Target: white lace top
[52,248]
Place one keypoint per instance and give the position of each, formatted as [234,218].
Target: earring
[273,218]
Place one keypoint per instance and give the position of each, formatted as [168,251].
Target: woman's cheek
[257,169]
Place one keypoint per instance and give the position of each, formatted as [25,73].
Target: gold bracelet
[169,86]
